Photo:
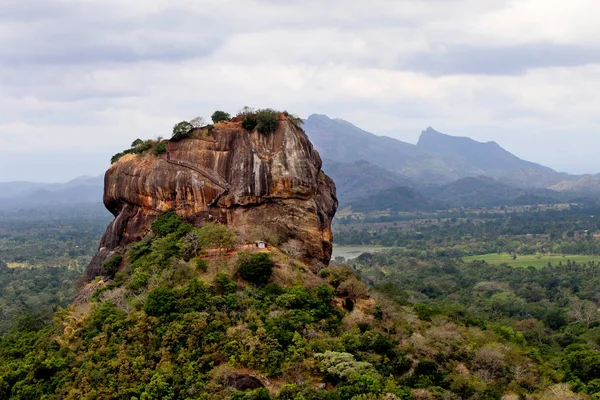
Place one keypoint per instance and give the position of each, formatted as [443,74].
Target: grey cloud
[55,34]
[107,71]
[95,53]
[500,60]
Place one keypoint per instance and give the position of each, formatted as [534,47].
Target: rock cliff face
[247,180]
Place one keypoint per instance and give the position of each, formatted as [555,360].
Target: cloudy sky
[80,79]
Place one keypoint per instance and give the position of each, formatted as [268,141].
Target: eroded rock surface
[247,180]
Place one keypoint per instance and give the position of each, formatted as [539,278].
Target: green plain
[535,260]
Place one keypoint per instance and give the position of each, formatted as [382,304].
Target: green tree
[160,148]
[220,116]
[583,364]
[266,120]
[181,130]
[255,268]
[111,266]
[213,235]
[170,222]
[161,301]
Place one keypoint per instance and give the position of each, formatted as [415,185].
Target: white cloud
[91,76]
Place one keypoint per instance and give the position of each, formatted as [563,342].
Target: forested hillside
[182,321]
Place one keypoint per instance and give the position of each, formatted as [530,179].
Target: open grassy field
[537,261]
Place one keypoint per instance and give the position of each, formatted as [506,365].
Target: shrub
[161,301]
[142,146]
[160,148]
[249,122]
[343,366]
[138,250]
[255,268]
[224,285]
[212,235]
[266,120]
[116,157]
[105,313]
[196,297]
[256,394]
[353,288]
[111,266]
[138,146]
[139,280]
[220,116]
[169,222]
[181,130]
[583,365]
[201,265]
[30,322]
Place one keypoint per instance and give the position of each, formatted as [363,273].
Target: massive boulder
[250,181]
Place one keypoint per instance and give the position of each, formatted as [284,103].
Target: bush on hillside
[168,223]
[213,235]
[266,120]
[138,146]
[118,156]
[161,301]
[201,265]
[255,268]
[160,148]
[181,130]
[220,116]
[111,266]
[249,122]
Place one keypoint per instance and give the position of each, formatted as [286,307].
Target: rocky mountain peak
[246,180]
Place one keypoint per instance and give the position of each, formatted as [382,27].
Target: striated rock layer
[247,180]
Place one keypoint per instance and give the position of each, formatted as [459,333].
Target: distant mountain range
[360,179]
[439,171]
[80,190]
[437,158]
[377,171]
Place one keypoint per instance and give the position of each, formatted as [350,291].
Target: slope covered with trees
[184,318]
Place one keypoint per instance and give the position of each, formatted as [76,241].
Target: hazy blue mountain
[472,192]
[437,158]
[19,188]
[361,179]
[484,191]
[339,140]
[488,156]
[84,189]
[398,199]
[488,159]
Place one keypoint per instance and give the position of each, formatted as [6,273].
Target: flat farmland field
[534,260]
